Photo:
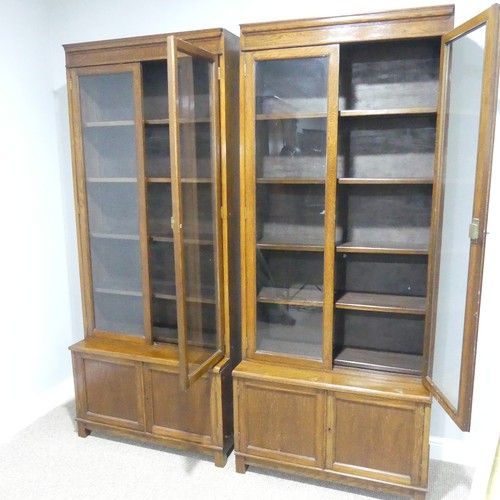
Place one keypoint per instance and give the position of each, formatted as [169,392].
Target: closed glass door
[291,110]
[112,253]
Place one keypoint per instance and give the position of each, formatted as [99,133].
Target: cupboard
[155,154]
[366,146]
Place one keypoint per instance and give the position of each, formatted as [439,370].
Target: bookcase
[155,160]
[349,164]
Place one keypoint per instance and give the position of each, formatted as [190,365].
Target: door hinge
[474,230]
[172,222]
[245,69]
[218,72]
[223,213]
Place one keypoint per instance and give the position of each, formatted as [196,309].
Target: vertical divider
[330,206]
[177,209]
[142,201]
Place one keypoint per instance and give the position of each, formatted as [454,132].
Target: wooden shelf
[159,180]
[112,180]
[348,113]
[187,241]
[116,291]
[402,181]
[381,303]
[196,180]
[409,364]
[111,236]
[383,247]
[195,300]
[157,121]
[298,297]
[288,116]
[264,180]
[109,123]
[182,121]
[289,243]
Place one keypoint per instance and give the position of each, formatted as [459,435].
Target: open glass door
[194,153]
[469,86]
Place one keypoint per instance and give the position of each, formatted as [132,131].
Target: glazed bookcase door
[196,199]
[465,145]
[107,107]
[290,105]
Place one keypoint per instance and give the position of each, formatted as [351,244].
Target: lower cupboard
[134,392]
[328,426]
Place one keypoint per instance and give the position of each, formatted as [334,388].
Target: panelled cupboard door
[469,86]
[196,205]
[357,445]
[281,422]
[290,111]
[109,172]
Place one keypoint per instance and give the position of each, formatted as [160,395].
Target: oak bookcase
[154,128]
[360,138]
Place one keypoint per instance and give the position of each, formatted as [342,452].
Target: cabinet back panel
[155,90]
[391,214]
[379,273]
[295,212]
[387,147]
[385,75]
[379,331]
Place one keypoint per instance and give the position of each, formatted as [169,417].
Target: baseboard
[451,450]
[34,408]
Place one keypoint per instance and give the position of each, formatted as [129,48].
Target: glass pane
[465,88]
[290,168]
[198,205]
[107,108]
[289,302]
[290,86]
[156,123]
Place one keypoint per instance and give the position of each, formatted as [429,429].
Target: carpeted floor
[48,460]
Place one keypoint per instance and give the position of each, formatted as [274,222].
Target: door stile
[177,209]
[330,206]
[142,201]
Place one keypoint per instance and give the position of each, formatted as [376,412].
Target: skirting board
[452,450]
[35,407]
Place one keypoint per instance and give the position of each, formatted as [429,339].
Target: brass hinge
[172,222]
[223,213]
[218,72]
[245,69]
[474,230]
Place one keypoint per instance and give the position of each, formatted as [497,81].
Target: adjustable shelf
[354,113]
[408,364]
[374,181]
[298,297]
[381,303]
[383,248]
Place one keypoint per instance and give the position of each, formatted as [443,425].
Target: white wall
[38,189]
[36,330]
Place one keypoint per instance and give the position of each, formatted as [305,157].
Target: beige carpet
[48,460]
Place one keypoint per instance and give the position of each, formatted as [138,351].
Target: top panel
[141,48]
[390,25]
